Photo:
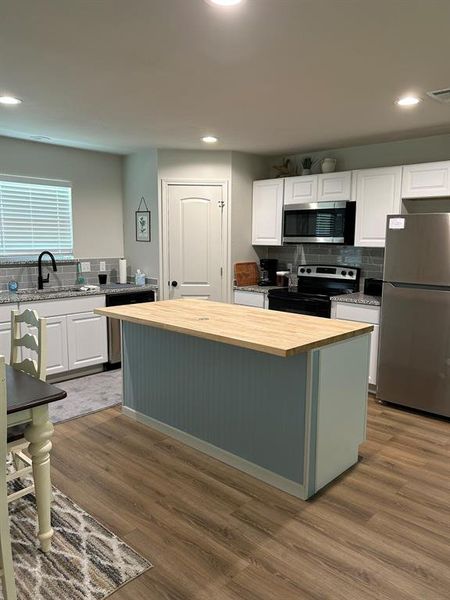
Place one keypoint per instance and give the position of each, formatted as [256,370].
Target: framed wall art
[143,222]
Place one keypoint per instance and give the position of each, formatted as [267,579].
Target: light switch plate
[85,267]
[102,266]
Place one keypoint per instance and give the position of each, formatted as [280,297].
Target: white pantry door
[196,230]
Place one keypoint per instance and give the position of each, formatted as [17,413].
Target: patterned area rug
[87,562]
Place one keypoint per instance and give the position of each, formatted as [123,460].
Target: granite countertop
[358,298]
[74,291]
[255,288]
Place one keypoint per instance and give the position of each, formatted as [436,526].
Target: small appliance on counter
[268,267]
[373,287]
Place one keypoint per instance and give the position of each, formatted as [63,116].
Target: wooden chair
[6,563]
[17,443]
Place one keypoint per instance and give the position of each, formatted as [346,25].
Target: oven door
[319,222]
[303,306]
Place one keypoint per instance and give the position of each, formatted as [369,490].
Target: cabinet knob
[174,283]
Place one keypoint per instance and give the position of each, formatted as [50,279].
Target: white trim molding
[164,229]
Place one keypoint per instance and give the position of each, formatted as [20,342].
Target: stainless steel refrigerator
[414,354]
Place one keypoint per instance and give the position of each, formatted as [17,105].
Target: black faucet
[42,280]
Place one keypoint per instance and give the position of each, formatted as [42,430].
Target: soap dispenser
[139,278]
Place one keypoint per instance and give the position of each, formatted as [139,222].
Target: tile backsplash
[26,275]
[369,260]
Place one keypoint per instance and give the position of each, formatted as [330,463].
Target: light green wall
[96,193]
[417,150]
[141,179]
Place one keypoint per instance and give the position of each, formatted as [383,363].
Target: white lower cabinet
[5,340]
[87,341]
[57,356]
[256,299]
[76,336]
[363,313]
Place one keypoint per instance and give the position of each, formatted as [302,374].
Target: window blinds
[35,215]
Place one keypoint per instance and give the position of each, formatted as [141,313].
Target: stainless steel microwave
[319,223]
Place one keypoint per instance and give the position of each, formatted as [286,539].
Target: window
[35,215]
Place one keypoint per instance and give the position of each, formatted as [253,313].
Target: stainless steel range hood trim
[314,206]
[313,240]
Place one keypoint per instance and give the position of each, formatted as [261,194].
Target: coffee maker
[268,271]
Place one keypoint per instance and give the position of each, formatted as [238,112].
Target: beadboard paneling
[247,403]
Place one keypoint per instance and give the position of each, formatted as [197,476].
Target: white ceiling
[269,76]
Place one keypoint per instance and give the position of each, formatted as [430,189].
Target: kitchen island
[280,396]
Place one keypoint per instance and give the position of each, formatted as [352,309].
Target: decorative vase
[328,165]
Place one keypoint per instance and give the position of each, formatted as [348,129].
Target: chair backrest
[34,343]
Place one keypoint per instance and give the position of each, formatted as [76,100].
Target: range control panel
[348,273]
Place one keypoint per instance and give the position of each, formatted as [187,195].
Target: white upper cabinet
[267,222]
[334,187]
[301,190]
[377,194]
[428,180]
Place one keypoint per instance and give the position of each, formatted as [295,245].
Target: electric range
[316,285]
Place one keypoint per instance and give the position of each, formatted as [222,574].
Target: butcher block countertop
[279,333]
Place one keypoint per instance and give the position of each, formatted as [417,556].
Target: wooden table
[28,400]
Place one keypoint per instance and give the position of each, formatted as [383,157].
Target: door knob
[174,283]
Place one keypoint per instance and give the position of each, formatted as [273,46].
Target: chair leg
[8,581]
[38,433]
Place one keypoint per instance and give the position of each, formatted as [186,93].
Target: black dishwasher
[114,336]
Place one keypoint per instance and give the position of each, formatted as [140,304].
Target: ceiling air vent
[440,95]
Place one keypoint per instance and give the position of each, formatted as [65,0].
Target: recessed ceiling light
[224,2]
[10,100]
[210,139]
[408,101]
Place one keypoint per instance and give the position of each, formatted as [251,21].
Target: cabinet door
[429,180]
[5,340]
[373,364]
[255,299]
[87,340]
[377,195]
[267,220]
[57,358]
[362,313]
[334,187]
[301,190]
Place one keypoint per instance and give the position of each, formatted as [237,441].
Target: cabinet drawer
[363,313]
[64,306]
[255,299]
[5,311]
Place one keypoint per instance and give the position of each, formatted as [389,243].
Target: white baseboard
[286,485]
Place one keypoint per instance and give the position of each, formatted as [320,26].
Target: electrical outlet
[102,266]
[85,267]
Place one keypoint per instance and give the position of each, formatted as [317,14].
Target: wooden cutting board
[246,273]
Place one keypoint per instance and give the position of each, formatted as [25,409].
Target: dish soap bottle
[139,278]
[80,279]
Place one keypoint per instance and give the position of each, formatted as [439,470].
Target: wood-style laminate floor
[382,531]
